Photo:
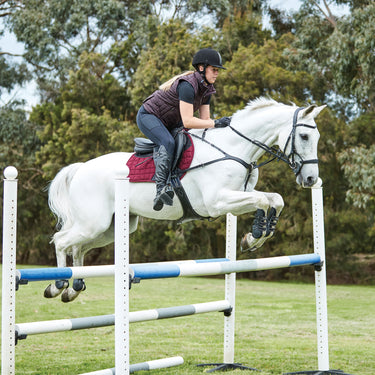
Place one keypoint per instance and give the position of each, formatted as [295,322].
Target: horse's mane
[262,102]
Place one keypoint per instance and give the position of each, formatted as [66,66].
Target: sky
[29,92]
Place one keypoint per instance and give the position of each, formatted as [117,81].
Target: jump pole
[48,326]
[9,272]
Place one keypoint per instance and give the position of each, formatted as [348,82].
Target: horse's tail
[58,195]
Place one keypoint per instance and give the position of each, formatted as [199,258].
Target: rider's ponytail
[167,85]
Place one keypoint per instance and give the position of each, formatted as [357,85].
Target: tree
[79,125]
[340,50]
[358,162]
[261,71]
[12,73]
[165,58]
[18,144]
[56,33]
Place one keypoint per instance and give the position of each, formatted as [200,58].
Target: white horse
[82,194]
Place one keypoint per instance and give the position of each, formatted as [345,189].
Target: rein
[290,159]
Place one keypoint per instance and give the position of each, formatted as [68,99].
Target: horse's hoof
[248,243]
[69,295]
[51,291]
[47,292]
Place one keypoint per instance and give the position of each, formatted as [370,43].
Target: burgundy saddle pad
[142,168]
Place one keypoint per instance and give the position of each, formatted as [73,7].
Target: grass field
[275,328]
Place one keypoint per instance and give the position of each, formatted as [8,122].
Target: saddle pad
[142,168]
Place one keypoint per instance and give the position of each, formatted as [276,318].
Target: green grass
[275,328]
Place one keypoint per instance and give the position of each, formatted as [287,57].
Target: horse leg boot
[255,239]
[164,192]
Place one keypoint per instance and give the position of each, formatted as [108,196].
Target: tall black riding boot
[164,192]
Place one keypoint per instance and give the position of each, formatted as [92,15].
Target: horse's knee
[276,201]
[262,203]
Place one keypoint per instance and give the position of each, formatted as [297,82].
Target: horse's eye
[304,137]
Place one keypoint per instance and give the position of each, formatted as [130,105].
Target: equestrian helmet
[207,56]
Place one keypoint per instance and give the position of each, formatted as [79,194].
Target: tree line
[95,61]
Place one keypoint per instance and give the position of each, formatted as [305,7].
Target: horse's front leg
[264,223]
[241,202]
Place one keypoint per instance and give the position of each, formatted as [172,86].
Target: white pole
[9,272]
[230,289]
[122,363]
[320,277]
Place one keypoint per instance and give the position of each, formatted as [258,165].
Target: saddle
[142,167]
[141,163]
[144,146]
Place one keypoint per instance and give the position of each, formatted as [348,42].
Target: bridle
[289,159]
[297,165]
[276,154]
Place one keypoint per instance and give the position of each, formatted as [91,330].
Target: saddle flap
[143,146]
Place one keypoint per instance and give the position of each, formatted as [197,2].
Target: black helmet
[207,56]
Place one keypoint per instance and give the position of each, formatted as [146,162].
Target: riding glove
[222,122]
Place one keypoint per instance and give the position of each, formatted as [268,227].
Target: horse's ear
[313,110]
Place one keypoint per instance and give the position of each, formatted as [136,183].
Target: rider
[173,106]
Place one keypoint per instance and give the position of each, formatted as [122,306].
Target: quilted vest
[165,104]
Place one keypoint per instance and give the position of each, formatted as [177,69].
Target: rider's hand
[222,122]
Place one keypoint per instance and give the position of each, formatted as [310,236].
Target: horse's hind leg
[79,252]
[53,290]
[70,294]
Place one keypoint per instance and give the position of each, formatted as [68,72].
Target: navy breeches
[155,130]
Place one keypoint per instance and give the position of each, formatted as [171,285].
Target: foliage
[263,72]
[18,144]
[358,164]
[158,64]
[11,74]
[341,52]
[78,126]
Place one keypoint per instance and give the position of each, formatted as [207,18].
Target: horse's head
[300,144]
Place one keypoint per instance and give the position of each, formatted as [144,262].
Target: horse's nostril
[310,181]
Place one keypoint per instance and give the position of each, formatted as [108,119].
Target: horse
[221,179]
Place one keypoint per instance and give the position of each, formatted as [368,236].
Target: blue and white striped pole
[147,271]
[201,267]
[85,272]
